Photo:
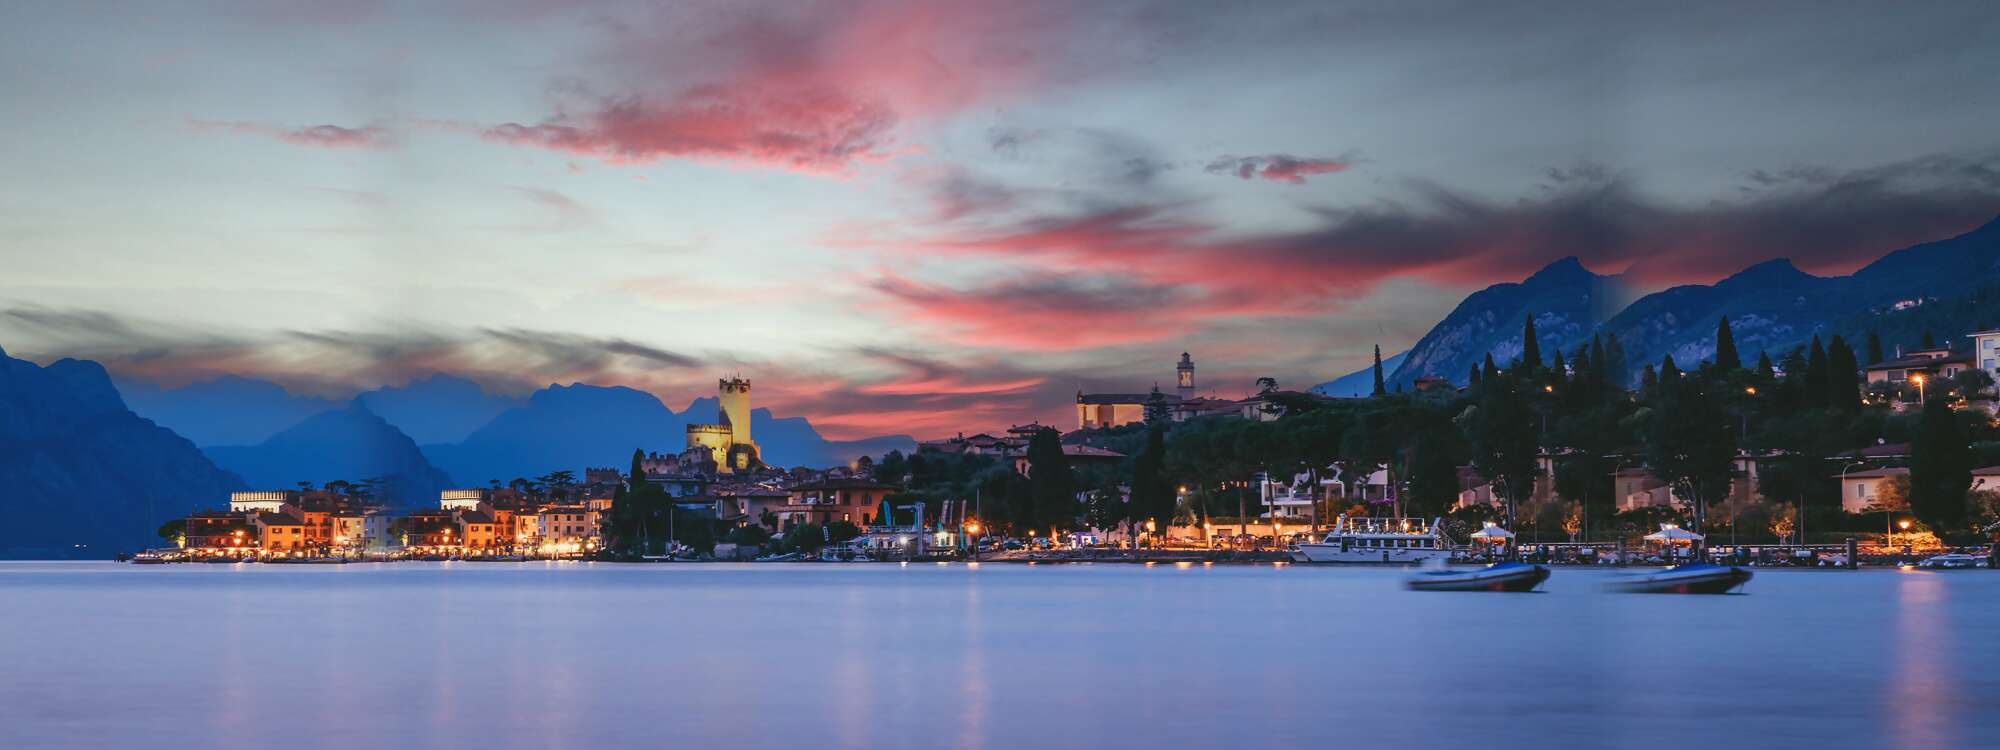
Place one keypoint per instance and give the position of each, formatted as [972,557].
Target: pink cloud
[813,88]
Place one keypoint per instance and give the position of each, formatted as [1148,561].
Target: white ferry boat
[1404,541]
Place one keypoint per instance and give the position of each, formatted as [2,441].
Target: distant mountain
[1769,305]
[1773,306]
[230,410]
[564,428]
[1567,300]
[793,441]
[1360,382]
[81,475]
[438,409]
[352,444]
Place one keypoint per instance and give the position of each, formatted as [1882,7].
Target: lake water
[550,655]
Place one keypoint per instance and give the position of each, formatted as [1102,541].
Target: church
[1094,410]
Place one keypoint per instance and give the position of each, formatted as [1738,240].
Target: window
[1861,490]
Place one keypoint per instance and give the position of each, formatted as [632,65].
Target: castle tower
[1184,381]
[734,396]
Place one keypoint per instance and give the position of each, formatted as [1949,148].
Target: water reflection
[1919,701]
[1101,656]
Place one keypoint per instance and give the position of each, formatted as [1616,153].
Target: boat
[1948,561]
[1688,578]
[1506,576]
[1397,541]
[149,557]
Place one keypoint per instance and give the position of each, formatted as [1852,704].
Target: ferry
[1397,541]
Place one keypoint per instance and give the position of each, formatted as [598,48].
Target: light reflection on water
[1104,656]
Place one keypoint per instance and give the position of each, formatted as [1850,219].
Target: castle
[728,442]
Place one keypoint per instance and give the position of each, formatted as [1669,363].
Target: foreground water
[501,655]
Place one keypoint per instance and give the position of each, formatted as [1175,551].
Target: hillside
[84,476]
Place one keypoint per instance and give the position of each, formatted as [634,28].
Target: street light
[1919,380]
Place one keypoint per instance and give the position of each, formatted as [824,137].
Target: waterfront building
[430,530]
[834,499]
[1930,363]
[214,531]
[278,532]
[476,529]
[1860,489]
[263,501]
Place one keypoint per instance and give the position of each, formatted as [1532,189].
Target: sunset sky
[929,217]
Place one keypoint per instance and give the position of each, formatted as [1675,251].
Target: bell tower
[1184,377]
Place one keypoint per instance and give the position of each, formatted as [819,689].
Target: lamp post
[972,530]
[1843,498]
[1905,526]
[1919,380]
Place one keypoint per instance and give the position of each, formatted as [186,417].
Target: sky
[930,217]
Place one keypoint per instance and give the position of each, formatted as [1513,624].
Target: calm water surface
[501,655]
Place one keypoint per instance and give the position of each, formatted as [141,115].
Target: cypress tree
[1379,390]
[1472,378]
[1816,386]
[1051,481]
[1940,469]
[1843,377]
[1488,370]
[1649,381]
[1613,362]
[1930,342]
[1558,367]
[1765,369]
[1874,348]
[1531,346]
[1725,347]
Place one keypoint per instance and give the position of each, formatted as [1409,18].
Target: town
[1808,459]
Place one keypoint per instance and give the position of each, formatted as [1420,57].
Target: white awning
[1493,532]
[1671,533]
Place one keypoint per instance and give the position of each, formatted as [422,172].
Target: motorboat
[1948,561]
[1397,541]
[1505,576]
[1687,578]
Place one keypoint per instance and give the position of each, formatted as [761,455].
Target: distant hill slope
[352,444]
[1361,382]
[563,428]
[1567,300]
[1773,306]
[81,475]
[438,409]
[230,410]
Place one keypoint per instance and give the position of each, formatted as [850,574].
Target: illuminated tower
[1184,383]
[735,408]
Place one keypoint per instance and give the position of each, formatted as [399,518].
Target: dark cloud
[322,136]
[1830,223]
[1279,167]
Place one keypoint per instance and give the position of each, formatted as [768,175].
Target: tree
[1156,407]
[1691,444]
[1433,474]
[1379,389]
[1940,470]
[1152,493]
[1874,348]
[1818,388]
[1725,347]
[174,531]
[1051,481]
[1843,377]
[1504,443]
[1930,342]
[1531,346]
